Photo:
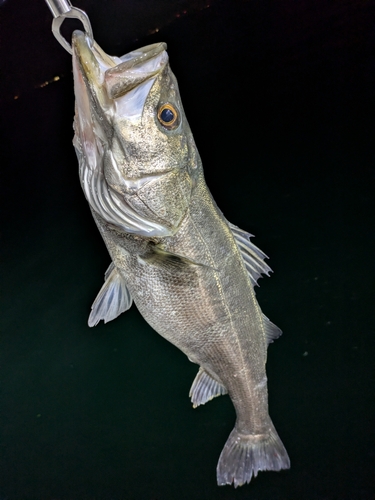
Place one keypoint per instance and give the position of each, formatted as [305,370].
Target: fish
[190,272]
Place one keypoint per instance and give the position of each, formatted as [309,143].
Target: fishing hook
[61,9]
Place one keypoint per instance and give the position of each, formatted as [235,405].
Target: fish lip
[92,60]
[138,57]
[103,70]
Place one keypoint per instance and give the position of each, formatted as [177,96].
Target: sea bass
[190,272]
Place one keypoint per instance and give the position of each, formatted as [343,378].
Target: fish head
[137,153]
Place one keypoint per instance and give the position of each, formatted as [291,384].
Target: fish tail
[244,455]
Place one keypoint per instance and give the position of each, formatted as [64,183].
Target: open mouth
[118,75]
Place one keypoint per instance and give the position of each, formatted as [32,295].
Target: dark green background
[280,98]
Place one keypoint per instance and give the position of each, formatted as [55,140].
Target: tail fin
[243,456]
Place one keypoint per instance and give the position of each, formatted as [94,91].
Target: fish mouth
[115,76]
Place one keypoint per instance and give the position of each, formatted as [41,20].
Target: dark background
[280,98]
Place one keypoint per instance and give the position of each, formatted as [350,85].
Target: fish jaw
[146,172]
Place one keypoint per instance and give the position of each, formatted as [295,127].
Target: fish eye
[167,116]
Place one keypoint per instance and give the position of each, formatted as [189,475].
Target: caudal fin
[243,456]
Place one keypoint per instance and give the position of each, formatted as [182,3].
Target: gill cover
[136,171]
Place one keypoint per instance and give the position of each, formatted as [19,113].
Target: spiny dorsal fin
[112,300]
[253,257]
[272,331]
[205,388]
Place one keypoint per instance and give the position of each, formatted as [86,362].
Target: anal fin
[205,388]
[113,299]
[168,261]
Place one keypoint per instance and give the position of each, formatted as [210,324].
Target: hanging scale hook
[61,9]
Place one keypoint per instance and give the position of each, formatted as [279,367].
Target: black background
[280,98]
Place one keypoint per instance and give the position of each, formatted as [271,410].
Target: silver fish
[190,272]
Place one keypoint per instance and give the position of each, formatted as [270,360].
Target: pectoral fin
[112,300]
[167,260]
[205,388]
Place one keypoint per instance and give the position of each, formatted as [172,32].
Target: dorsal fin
[253,257]
[112,300]
[254,262]
[272,331]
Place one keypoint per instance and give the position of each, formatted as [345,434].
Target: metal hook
[61,9]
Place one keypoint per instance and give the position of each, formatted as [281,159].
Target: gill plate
[109,204]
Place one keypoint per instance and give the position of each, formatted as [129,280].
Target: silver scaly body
[189,271]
